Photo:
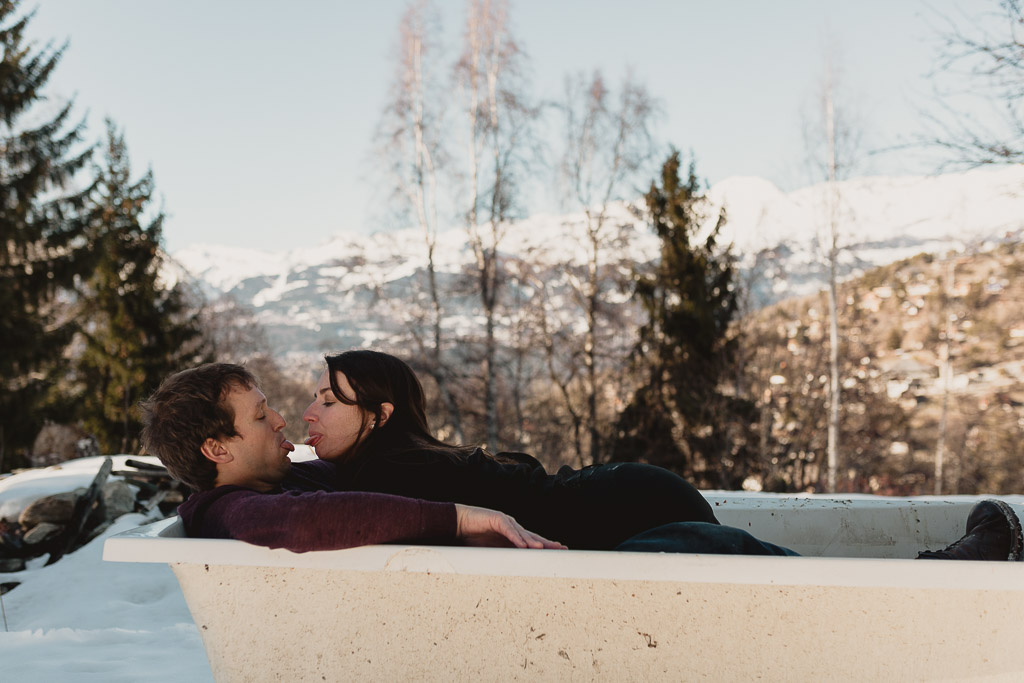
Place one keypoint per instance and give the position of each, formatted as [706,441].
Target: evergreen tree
[41,232]
[679,418]
[136,330]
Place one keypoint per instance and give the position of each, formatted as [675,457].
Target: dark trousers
[700,537]
[599,507]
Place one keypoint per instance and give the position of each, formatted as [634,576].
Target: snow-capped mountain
[344,292]
[881,220]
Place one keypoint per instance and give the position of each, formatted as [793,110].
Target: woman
[368,418]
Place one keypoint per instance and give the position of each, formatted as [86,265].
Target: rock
[12,564]
[56,443]
[87,447]
[56,509]
[40,532]
[119,499]
[10,538]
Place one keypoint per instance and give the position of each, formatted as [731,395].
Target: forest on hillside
[903,381]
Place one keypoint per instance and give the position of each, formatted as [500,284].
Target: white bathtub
[452,613]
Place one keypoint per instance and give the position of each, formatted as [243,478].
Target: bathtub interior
[842,540]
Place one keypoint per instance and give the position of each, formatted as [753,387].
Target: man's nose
[281,423]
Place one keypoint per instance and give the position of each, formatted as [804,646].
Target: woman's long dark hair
[378,378]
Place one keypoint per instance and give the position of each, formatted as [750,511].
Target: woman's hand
[483,527]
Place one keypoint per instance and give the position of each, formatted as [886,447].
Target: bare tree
[608,141]
[498,119]
[980,117]
[412,139]
[832,143]
[552,337]
[233,331]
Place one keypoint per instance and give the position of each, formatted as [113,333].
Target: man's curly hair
[187,409]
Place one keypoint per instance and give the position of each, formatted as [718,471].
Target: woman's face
[335,428]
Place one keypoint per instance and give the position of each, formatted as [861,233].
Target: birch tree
[945,369]
[607,141]
[413,147]
[832,143]
[497,122]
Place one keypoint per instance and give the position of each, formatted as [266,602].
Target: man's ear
[214,450]
[385,412]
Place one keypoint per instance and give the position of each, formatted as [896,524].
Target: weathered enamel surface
[453,613]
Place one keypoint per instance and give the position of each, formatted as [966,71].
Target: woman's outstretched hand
[483,527]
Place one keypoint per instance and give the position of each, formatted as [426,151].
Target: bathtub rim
[164,542]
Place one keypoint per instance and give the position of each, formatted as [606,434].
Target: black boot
[993,533]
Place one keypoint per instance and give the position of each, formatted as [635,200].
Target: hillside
[895,322]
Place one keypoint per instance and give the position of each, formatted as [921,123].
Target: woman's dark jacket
[597,507]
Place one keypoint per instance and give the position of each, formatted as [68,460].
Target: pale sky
[257,117]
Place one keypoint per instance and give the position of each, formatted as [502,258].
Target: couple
[382,477]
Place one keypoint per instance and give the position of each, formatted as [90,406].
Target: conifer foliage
[41,228]
[136,329]
[679,417]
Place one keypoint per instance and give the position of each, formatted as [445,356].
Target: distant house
[871,302]
[910,369]
[919,289]
[895,388]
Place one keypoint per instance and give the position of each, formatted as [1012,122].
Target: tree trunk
[491,382]
[590,351]
[947,377]
[833,304]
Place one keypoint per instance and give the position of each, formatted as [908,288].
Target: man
[213,430]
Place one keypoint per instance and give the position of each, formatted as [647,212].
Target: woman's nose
[308,415]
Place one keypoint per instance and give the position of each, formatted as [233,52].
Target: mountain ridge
[310,298]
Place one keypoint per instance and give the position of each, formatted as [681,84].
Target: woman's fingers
[538,541]
[480,526]
[510,529]
[528,539]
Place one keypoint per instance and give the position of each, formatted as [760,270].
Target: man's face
[259,452]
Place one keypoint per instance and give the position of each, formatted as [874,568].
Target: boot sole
[1016,541]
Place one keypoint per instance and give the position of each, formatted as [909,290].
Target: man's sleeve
[328,521]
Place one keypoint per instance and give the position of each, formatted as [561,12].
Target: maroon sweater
[315,520]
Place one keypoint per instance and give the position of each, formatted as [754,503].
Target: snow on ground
[83,619]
